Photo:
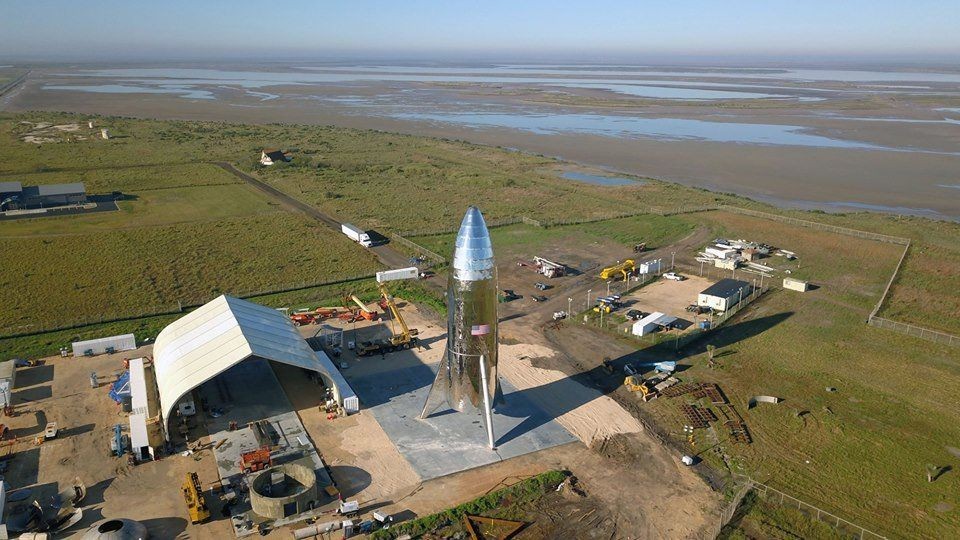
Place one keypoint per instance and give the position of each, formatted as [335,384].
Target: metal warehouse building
[15,196]
[724,294]
[225,332]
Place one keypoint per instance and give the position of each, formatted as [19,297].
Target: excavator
[625,268]
[406,337]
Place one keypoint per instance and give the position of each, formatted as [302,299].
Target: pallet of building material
[714,394]
[738,432]
[706,415]
[725,412]
[694,419]
[680,389]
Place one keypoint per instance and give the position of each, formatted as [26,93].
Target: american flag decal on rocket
[479,329]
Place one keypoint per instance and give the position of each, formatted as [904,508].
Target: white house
[724,294]
[271,156]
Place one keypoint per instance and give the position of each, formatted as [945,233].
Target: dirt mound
[617,447]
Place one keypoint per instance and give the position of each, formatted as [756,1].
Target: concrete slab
[447,441]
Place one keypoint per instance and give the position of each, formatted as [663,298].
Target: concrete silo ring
[296,494]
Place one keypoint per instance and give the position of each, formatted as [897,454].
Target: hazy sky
[490,29]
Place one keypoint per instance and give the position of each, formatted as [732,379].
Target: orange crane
[364,312]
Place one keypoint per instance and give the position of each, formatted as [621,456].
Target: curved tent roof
[219,335]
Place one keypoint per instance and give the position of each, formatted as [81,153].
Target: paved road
[384,252]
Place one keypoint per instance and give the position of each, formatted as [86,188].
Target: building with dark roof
[15,196]
[724,294]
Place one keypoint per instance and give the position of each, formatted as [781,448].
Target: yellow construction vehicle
[407,337]
[624,268]
[635,383]
[193,496]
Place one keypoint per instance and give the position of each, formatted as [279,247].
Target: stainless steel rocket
[467,376]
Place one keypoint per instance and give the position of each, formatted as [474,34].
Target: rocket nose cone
[473,219]
[473,254]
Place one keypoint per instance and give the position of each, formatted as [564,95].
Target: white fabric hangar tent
[225,332]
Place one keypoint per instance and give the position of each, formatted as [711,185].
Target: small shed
[724,294]
[269,156]
[649,267]
[726,264]
[796,284]
[721,253]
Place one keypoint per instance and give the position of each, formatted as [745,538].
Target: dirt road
[384,252]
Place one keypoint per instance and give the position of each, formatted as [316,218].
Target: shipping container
[125,342]
[402,273]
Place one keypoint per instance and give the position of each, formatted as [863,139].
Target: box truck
[356,234]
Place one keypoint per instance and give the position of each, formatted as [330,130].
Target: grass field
[184,233]
[854,271]
[61,279]
[892,411]
[189,232]
[48,343]
[513,240]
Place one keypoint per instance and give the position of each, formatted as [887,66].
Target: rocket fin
[498,395]
[436,396]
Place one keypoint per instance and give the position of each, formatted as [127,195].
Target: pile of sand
[583,411]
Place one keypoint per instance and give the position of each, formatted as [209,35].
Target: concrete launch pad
[447,441]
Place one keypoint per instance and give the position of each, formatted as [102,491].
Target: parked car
[698,310]
[636,314]
[539,298]
[542,286]
[673,276]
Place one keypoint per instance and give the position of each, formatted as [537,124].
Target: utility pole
[588,298]
[672,255]
[608,287]
[701,268]
[569,307]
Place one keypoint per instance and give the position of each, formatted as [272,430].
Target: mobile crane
[406,337]
[624,268]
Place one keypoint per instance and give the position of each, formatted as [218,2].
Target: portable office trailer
[724,294]
[647,324]
[796,285]
[125,342]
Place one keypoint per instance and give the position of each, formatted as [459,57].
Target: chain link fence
[843,526]
[872,319]
[183,306]
[774,496]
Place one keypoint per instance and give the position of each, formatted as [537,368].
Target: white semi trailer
[356,234]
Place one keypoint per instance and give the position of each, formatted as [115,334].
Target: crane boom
[358,302]
[405,332]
